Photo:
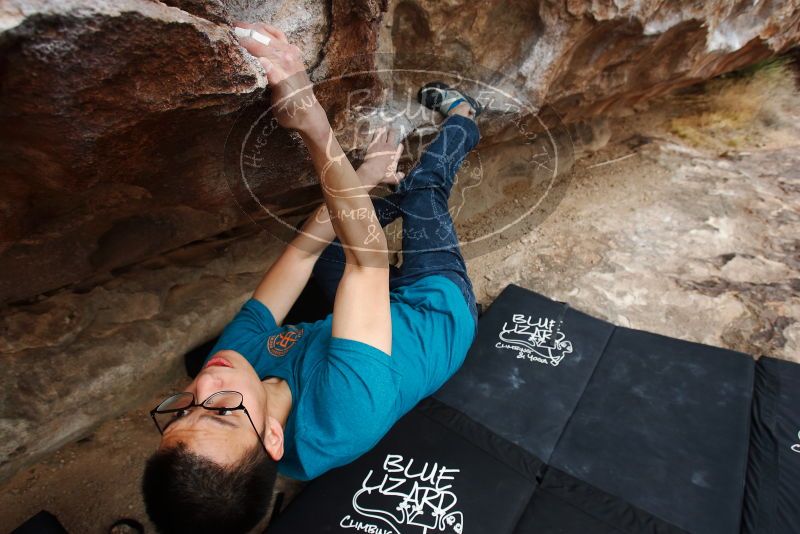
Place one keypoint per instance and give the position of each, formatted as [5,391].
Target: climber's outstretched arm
[361,308]
[289,274]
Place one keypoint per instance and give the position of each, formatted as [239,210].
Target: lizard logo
[406,497]
[538,340]
[279,344]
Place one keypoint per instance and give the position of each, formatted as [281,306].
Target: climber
[303,399]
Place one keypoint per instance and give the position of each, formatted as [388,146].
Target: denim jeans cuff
[468,125]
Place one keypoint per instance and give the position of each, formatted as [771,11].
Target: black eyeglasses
[173,408]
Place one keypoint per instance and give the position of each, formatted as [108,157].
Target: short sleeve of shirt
[253,321]
[351,404]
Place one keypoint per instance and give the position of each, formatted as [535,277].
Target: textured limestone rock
[113,122]
[587,57]
[115,114]
[111,112]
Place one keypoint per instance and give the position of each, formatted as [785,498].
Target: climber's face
[225,436]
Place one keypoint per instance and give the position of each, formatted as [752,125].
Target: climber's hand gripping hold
[295,105]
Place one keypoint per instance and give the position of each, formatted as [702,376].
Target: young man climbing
[306,398]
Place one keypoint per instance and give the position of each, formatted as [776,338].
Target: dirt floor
[684,224]
[88,484]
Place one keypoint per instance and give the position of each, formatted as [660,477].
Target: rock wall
[113,121]
[114,114]
[589,57]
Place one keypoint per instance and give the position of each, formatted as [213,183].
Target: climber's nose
[207,383]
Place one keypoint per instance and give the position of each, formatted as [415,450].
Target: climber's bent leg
[430,243]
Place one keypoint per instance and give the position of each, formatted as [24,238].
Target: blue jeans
[430,243]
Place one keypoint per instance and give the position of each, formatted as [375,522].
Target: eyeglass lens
[174,405]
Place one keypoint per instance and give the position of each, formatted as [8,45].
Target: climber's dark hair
[186,492]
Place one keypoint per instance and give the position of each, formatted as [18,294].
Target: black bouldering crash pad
[561,422]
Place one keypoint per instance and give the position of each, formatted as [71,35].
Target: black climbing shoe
[440,97]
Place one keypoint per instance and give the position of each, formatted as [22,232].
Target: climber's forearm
[361,310]
[317,231]
[284,281]
[286,278]
[315,234]
[351,211]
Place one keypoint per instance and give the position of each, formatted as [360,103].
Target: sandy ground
[88,484]
[692,241]
[677,227]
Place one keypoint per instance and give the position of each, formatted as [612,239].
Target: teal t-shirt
[345,394]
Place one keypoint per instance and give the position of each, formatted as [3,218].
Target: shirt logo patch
[279,344]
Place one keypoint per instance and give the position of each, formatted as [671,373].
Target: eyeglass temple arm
[260,439]
[153,416]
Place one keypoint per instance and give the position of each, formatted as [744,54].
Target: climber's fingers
[286,58]
[393,178]
[256,46]
[265,29]
[377,138]
[275,74]
[256,40]
[264,37]
[272,44]
[279,59]
[274,32]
